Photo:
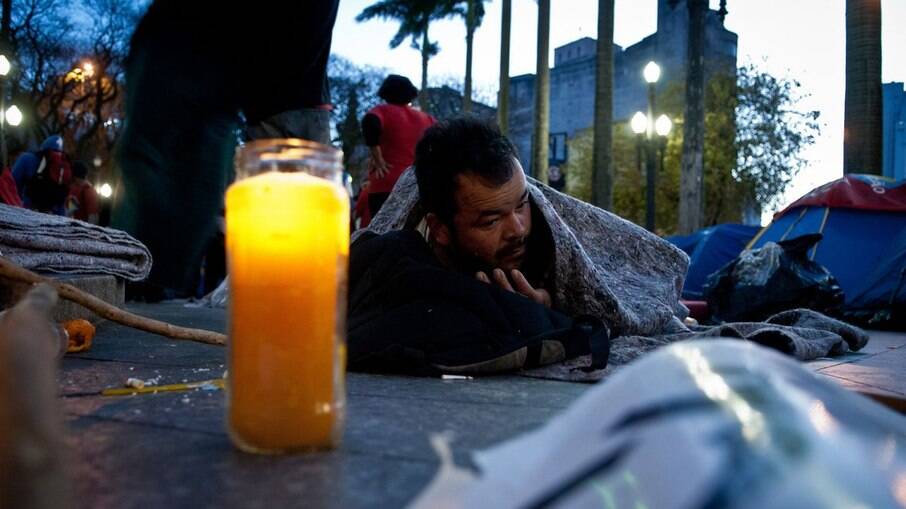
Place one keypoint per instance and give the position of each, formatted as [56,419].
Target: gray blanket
[55,244]
[604,266]
[631,279]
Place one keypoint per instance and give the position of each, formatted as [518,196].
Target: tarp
[862,192]
[709,250]
[863,220]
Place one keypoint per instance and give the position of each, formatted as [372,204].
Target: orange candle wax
[287,247]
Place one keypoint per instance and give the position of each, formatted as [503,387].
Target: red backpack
[49,187]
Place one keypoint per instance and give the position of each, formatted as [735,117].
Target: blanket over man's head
[604,266]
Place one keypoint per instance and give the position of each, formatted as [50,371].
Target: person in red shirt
[82,202]
[391,131]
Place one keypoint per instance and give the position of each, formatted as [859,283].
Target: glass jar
[287,239]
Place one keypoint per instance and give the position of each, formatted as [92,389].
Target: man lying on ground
[480,289]
[472,267]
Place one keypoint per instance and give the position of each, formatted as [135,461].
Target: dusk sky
[801,39]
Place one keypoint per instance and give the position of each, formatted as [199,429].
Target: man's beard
[472,263]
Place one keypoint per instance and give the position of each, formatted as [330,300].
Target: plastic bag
[774,278]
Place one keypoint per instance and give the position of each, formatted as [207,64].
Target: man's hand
[519,285]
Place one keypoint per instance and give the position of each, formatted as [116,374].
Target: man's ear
[440,232]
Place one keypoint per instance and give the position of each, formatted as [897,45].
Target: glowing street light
[663,125]
[13,116]
[652,72]
[639,123]
[105,190]
[88,69]
[5,65]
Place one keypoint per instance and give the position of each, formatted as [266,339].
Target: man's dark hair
[464,145]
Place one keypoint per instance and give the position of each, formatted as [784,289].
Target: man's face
[492,224]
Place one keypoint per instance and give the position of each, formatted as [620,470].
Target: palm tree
[473,14]
[503,99]
[414,17]
[602,160]
[542,94]
[692,172]
[862,109]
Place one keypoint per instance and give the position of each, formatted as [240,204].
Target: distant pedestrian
[391,132]
[82,202]
[556,178]
[43,177]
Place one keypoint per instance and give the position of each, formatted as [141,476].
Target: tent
[709,250]
[863,220]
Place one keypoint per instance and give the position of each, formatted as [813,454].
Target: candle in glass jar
[287,246]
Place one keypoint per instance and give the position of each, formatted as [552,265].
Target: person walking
[391,131]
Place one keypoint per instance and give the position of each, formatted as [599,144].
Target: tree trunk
[470,33]
[503,99]
[602,162]
[692,173]
[6,21]
[542,94]
[862,111]
[423,96]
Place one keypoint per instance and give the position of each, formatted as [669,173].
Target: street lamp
[5,67]
[652,72]
[647,125]
[639,123]
[13,115]
[651,128]
[663,125]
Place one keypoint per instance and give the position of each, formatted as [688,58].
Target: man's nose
[515,226]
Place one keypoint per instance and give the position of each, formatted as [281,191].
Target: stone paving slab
[171,450]
[142,466]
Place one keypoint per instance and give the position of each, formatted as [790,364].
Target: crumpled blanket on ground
[631,279]
[56,244]
[800,333]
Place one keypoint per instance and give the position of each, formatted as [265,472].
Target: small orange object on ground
[79,333]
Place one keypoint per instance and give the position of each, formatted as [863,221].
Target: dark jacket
[409,314]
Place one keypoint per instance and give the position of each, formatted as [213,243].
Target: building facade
[894,131]
[572,79]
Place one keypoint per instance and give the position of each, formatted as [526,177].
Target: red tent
[865,192]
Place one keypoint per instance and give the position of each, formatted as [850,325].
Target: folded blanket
[800,333]
[55,244]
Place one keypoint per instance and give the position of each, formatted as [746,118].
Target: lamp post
[5,67]
[655,132]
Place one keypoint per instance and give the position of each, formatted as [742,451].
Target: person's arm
[371,129]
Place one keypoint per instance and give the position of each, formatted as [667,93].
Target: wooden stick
[10,270]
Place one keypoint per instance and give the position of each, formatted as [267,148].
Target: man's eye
[523,204]
[488,223]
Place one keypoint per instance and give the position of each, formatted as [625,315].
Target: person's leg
[175,153]
[306,123]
